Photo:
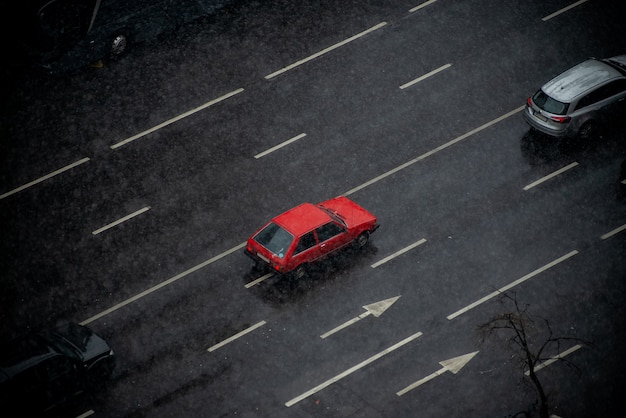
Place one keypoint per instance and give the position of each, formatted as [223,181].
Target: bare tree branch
[522,326]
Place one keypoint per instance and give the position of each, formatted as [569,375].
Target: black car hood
[85,344]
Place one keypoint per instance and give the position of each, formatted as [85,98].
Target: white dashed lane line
[551,175]
[352,370]
[259,280]
[613,232]
[46,177]
[425,76]
[421,6]
[398,253]
[434,151]
[236,336]
[563,10]
[324,51]
[282,144]
[176,118]
[513,284]
[163,284]
[554,358]
[121,220]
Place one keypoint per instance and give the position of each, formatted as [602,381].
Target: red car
[308,232]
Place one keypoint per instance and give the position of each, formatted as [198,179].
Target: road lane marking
[453,365]
[352,370]
[376,309]
[416,8]
[163,284]
[46,177]
[425,76]
[86,414]
[554,358]
[549,176]
[282,144]
[613,232]
[176,119]
[513,284]
[259,280]
[563,10]
[238,335]
[121,220]
[398,253]
[434,151]
[324,51]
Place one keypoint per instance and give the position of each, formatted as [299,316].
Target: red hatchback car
[308,232]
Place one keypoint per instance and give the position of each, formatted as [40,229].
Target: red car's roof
[302,218]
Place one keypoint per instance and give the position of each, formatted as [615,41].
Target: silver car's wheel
[589,131]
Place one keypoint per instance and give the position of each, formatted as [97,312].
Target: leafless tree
[522,330]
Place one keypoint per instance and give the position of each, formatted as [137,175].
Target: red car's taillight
[560,119]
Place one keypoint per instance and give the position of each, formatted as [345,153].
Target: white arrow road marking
[234,337]
[451,365]
[555,358]
[375,309]
[352,370]
[398,253]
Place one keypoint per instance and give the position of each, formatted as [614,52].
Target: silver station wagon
[580,101]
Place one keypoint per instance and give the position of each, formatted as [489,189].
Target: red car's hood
[350,211]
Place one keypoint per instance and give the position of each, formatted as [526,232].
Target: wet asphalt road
[447,159]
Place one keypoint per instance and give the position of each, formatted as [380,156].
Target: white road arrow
[451,365]
[376,309]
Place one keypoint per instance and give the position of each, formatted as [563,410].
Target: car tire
[299,272]
[118,45]
[589,131]
[362,240]
[99,373]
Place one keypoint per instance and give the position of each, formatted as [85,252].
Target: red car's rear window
[275,239]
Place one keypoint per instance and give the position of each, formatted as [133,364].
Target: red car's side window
[306,241]
[329,230]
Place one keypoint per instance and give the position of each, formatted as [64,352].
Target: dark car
[41,371]
[307,233]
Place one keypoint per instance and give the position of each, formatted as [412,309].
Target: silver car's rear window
[548,104]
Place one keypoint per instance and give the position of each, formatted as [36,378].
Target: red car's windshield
[334,214]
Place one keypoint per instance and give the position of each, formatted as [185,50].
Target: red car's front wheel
[362,239]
